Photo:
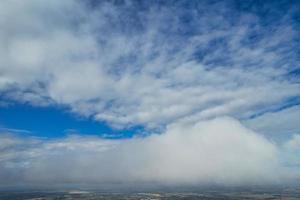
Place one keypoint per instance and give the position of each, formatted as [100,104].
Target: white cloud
[100,65]
[290,160]
[292,148]
[219,151]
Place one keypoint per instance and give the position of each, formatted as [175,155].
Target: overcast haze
[160,92]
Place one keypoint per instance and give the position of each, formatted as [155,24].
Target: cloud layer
[215,152]
[134,64]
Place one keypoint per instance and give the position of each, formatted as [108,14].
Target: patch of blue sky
[54,122]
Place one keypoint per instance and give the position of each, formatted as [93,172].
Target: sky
[149,92]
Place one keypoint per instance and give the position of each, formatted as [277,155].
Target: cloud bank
[215,152]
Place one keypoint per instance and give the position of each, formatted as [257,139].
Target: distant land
[207,194]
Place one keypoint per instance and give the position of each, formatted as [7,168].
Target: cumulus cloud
[215,152]
[131,64]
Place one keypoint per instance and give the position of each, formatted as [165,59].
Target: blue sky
[53,122]
[148,74]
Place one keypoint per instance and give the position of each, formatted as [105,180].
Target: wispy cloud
[278,124]
[150,67]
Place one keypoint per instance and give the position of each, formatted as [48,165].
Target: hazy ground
[93,195]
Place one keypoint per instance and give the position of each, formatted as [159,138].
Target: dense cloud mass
[215,84]
[216,152]
[219,151]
